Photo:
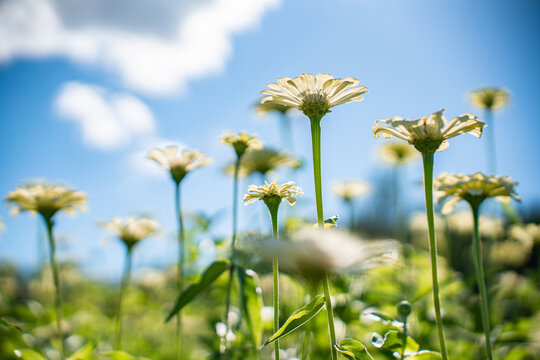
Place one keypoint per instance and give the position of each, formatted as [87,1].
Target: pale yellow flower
[350,189]
[241,141]
[525,233]
[430,133]
[131,229]
[264,161]
[314,95]
[490,98]
[472,188]
[285,191]
[461,222]
[46,199]
[179,162]
[315,253]
[397,153]
[268,107]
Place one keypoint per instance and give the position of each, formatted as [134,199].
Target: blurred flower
[430,133]
[179,163]
[525,233]
[267,107]
[462,222]
[397,153]
[263,161]
[314,253]
[313,95]
[472,188]
[418,227]
[490,98]
[285,191]
[46,199]
[510,253]
[350,189]
[241,142]
[131,229]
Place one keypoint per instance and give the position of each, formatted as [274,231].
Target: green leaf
[298,318]
[252,303]
[425,355]
[121,355]
[84,353]
[353,350]
[393,341]
[208,277]
[27,354]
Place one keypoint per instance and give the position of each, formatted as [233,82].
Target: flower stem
[404,346]
[233,254]
[480,278]
[350,203]
[490,142]
[56,279]
[275,269]
[316,149]
[180,273]
[428,186]
[123,288]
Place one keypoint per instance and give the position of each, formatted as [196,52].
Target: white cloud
[154,46]
[107,120]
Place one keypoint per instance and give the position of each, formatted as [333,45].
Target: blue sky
[188,78]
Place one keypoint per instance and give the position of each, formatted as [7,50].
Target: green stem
[180,273]
[428,186]
[233,254]
[316,148]
[275,270]
[308,327]
[480,278]
[404,346]
[351,214]
[126,275]
[490,143]
[56,279]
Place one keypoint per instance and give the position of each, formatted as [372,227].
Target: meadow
[444,283]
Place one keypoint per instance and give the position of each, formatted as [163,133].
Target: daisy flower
[430,133]
[179,162]
[313,95]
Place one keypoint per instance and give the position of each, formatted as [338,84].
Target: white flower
[314,95]
[131,229]
[46,199]
[285,191]
[472,188]
[429,133]
[491,98]
[241,141]
[179,163]
[350,189]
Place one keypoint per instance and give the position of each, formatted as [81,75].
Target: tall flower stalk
[240,142]
[47,199]
[272,194]
[314,96]
[397,154]
[474,189]
[348,191]
[490,99]
[130,231]
[428,135]
[179,163]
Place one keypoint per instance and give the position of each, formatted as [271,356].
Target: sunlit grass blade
[208,277]
[353,350]
[393,341]
[27,354]
[425,355]
[252,303]
[121,355]
[298,318]
[86,352]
